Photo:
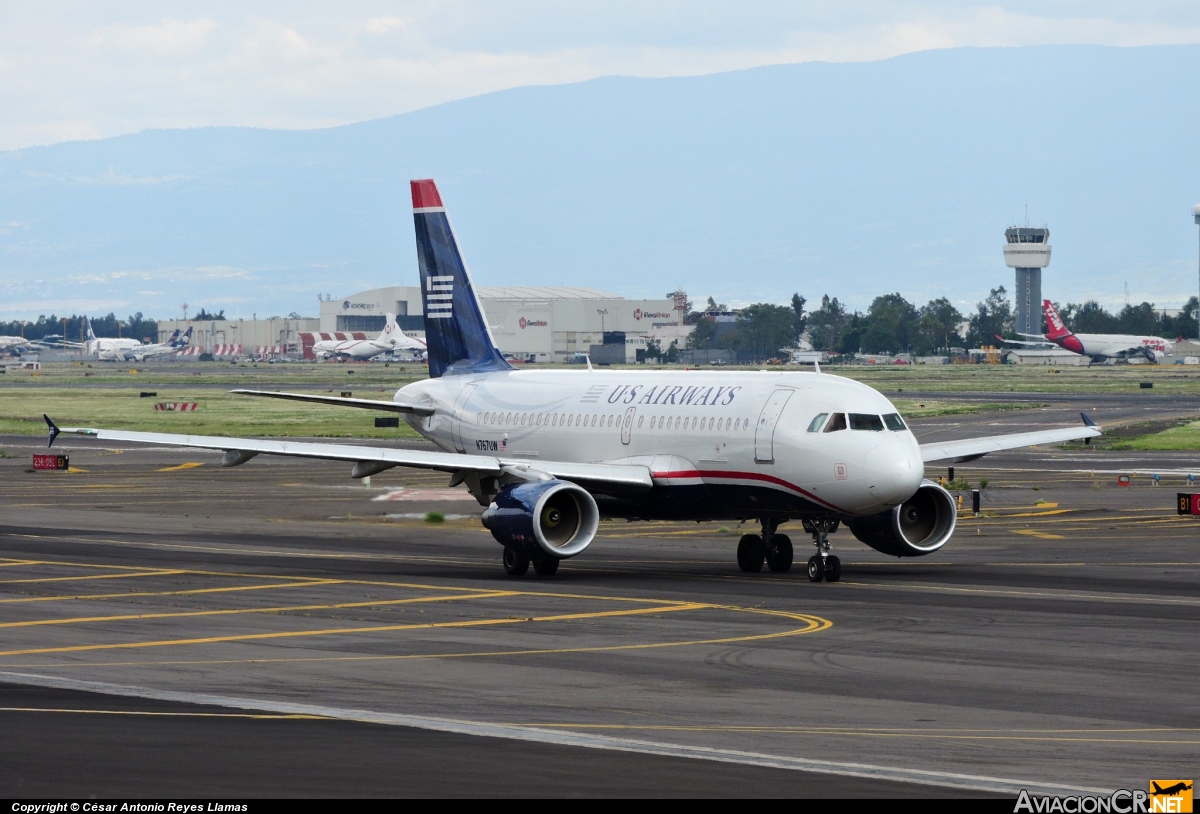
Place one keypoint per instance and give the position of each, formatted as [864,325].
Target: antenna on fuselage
[588,357]
[816,366]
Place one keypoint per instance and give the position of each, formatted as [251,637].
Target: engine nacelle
[918,526]
[546,518]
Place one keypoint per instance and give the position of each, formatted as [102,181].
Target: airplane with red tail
[1099,347]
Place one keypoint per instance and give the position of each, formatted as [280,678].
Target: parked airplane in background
[1098,346]
[173,345]
[15,344]
[549,452]
[390,340]
[107,349]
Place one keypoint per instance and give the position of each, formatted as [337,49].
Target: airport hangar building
[534,323]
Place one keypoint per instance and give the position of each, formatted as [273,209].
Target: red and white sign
[60,462]
[177,406]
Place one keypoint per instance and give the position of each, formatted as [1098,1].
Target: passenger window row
[824,422]
[596,420]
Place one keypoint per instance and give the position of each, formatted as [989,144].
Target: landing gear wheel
[833,568]
[816,568]
[515,562]
[750,553]
[781,558]
[545,566]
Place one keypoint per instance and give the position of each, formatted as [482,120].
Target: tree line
[134,326]
[892,324]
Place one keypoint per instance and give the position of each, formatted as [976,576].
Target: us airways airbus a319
[548,453]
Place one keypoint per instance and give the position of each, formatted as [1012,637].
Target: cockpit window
[836,422]
[865,421]
[894,422]
[815,424]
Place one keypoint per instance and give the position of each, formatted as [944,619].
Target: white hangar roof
[549,292]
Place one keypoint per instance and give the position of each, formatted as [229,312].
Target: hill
[848,179]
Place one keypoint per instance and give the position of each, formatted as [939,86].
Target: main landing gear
[823,565]
[516,563]
[772,548]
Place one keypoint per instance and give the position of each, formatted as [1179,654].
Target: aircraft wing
[366,404]
[369,460]
[971,448]
[1026,342]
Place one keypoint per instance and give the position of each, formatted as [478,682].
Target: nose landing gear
[823,565]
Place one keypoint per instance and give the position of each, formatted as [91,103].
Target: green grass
[106,395]
[926,408]
[1186,437]
[1167,379]
[219,413]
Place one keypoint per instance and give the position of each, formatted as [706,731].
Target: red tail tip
[425,193]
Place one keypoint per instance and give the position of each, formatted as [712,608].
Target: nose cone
[894,471]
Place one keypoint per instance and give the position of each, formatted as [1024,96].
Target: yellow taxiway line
[286,634]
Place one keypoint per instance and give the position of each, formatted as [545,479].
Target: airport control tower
[1028,251]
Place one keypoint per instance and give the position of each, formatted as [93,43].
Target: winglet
[54,430]
[1087,422]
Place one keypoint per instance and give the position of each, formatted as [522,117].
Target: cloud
[81,305]
[383,25]
[169,38]
[81,70]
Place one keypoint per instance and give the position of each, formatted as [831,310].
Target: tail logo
[439,296]
[1054,320]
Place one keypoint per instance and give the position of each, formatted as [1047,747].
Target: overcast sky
[81,69]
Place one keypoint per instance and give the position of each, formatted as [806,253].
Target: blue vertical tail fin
[456,331]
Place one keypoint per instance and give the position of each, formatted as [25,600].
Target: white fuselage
[11,342]
[1122,345]
[741,437]
[111,350]
[350,348]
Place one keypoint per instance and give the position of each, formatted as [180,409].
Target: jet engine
[918,526]
[544,518]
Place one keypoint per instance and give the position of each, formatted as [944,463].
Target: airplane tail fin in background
[91,336]
[1055,327]
[390,329]
[456,333]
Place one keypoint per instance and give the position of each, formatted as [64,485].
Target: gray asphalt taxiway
[280,625]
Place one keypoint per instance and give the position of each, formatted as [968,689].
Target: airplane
[15,344]
[390,340]
[1170,791]
[1098,346]
[107,349]
[174,343]
[550,452]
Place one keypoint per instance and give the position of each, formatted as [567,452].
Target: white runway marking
[954,780]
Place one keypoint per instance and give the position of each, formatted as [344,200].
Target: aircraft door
[460,416]
[627,425]
[764,432]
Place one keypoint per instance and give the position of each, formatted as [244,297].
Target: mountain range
[851,179]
